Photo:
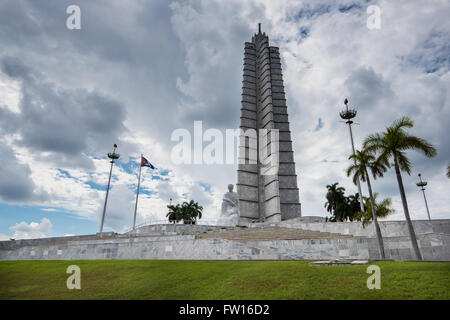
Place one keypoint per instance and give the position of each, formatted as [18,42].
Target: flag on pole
[146,163]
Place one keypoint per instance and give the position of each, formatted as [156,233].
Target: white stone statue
[230,209]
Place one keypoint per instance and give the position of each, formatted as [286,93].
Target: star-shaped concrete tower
[267,187]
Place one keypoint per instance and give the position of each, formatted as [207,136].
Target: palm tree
[190,212]
[343,211]
[196,210]
[335,195]
[364,161]
[354,205]
[393,143]
[383,209]
[174,213]
[347,208]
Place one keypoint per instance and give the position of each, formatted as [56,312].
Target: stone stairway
[271,233]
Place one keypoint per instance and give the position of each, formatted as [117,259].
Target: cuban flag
[146,163]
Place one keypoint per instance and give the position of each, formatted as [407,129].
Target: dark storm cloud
[15,182]
[367,87]
[128,49]
[213,57]
[9,121]
[66,122]
[177,62]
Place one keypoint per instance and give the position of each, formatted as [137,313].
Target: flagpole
[137,192]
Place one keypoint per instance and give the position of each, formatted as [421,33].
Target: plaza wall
[388,228]
[188,248]
[184,242]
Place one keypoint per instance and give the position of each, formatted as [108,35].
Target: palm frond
[403,162]
[373,142]
[351,169]
[403,122]
[379,167]
[415,143]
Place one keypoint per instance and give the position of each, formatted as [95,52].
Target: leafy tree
[347,209]
[354,205]
[335,195]
[448,171]
[342,208]
[383,209]
[392,144]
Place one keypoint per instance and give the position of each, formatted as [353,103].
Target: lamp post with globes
[421,184]
[348,115]
[113,156]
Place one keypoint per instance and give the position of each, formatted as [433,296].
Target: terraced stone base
[187,247]
[195,242]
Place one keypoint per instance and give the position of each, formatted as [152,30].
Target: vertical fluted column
[268,181]
[247,184]
[289,192]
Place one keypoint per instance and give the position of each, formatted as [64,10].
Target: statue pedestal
[229,216]
[228,221]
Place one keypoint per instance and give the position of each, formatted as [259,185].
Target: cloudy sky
[138,70]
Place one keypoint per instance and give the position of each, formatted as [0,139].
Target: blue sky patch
[62,221]
[96,186]
[205,186]
[349,7]
[319,124]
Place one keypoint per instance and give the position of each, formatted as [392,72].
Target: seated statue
[230,209]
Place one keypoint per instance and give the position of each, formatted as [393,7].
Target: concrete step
[271,233]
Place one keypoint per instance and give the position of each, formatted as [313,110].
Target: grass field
[161,279]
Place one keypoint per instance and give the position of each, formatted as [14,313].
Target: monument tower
[265,195]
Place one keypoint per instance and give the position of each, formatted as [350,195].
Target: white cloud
[9,94]
[32,230]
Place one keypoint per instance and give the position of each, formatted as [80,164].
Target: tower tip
[259,27]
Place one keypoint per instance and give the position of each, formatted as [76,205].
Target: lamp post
[349,114]
[113,156]
[421,184]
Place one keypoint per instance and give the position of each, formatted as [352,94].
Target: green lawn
[161,279]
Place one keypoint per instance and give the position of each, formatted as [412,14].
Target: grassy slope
[160,279]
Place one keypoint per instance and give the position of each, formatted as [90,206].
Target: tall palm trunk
[412,234]
[375,220]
